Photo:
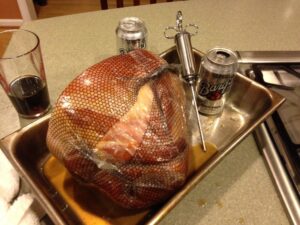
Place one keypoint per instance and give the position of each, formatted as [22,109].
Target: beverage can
[131,34]
[216,74]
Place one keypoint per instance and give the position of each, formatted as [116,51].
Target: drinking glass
[22,73]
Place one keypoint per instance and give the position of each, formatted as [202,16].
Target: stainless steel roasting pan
[249,105]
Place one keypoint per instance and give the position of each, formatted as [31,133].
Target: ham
[121,129]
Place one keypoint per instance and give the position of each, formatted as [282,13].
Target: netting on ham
[120,126]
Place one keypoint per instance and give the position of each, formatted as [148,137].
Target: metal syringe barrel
[186,57]
[187,60]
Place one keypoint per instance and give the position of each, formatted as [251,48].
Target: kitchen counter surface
[239,190]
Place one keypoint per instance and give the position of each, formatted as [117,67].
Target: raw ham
[123,139]
[120,127]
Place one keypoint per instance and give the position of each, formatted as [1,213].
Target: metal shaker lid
[131,28]
[221,61]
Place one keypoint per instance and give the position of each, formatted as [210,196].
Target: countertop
[239,190]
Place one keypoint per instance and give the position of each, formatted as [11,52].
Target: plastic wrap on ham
[120,126]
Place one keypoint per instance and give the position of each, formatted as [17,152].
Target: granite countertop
[239,190]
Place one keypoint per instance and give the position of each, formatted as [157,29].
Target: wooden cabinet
[15,12]
[9,9]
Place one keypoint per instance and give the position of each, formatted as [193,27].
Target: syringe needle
[198,118]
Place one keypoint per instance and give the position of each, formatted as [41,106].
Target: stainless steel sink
[278,154]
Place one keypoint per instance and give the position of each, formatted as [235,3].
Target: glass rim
[26,52]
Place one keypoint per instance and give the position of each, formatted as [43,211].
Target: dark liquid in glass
[29,95]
